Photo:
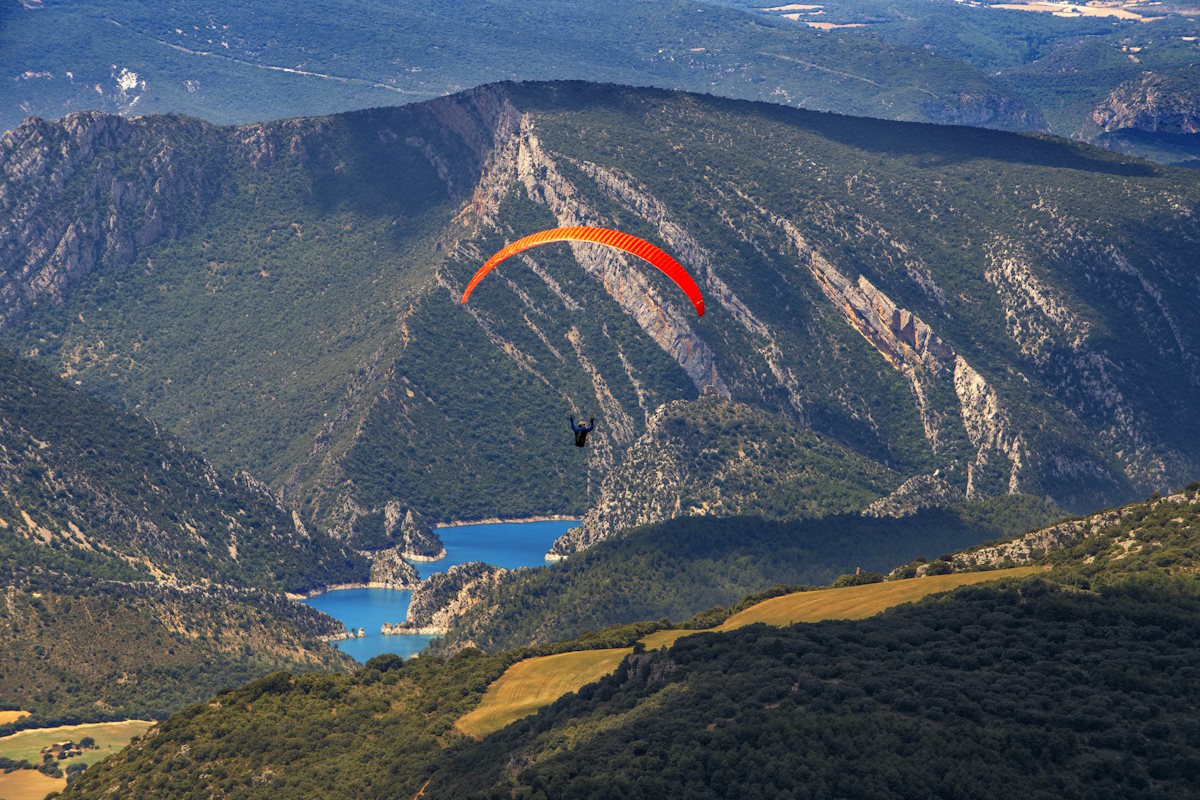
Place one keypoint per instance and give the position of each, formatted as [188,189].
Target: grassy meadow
[530,684]
[535,682]
[28,784]
[110,737]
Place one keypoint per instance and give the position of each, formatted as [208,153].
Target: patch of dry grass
[530,684]
[535,682]
[28,784]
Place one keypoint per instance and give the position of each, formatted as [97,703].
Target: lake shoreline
[507,520]
[361,607]
[335,587]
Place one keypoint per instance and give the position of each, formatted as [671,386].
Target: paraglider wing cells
[622,241]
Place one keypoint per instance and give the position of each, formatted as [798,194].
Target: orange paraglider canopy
[622,241]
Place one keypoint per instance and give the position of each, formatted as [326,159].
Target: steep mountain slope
[1030,685]
[135,578]
[989,305]
[86,650]
[711,457]
[88,491]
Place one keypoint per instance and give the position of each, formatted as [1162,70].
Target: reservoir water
[502,544]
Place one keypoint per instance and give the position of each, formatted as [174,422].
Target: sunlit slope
[856,602]
[535,682]
[28,784]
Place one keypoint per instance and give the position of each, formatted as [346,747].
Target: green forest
[683,567]
[1043,686]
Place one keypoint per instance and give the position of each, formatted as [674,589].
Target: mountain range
[987,306]
[235,369]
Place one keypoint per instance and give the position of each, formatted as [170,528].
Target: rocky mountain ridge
[944,307]
[1117,528]
[688,464]
[390,569]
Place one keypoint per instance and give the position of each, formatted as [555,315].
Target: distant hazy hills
[1017,313]
[993,65]
[267,59]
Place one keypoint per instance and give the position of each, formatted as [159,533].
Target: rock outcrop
[390,570]
[714,457]
[444,597]
[1152,103]
[985,109]
[1035,545]
[922,491]
[414,537]
[91,189]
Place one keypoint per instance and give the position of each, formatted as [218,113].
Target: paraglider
[606,236]
[581,431]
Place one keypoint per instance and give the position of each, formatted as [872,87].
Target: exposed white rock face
[989,426]
[1058,340]
[646,487]
[922,491]
[390,570]
[1035,545]
[48,240]
[666,320]
[913,348]
[415,539]
[689,464]
[445,597]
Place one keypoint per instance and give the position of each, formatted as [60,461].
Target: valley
[1007,658]
[914,462]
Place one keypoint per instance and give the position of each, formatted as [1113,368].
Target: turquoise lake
[502,544]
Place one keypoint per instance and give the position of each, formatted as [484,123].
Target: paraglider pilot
[581,431]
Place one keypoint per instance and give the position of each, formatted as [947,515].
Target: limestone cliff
[90,189]
[415,538]
[443,597]
[390,570]
[922,491]
[1153,103]
[988,305]
[1035,546]
[989,109]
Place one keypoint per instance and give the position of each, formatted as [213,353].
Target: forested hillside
[686,566]
[988,306]
[1043,686]
[95,493]
[137,578]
